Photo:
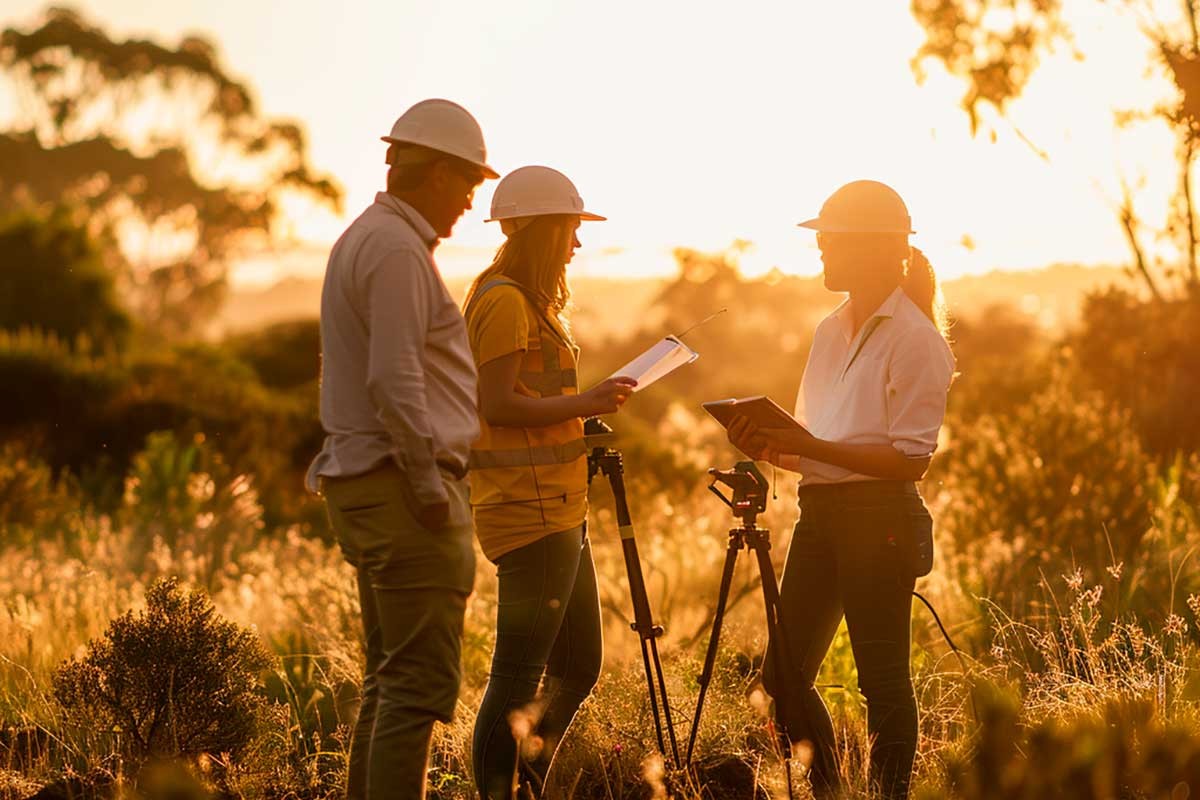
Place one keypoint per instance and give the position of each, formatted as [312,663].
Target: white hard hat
[862,207]
[535,191]
[443,126]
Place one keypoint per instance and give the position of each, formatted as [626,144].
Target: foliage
[173,680]
[1046,484]
[204,178]
[187,498]
[32,499]
[284,356]
[54,277]
[115,401]
[1002,360]
[1120,749]
[995,46]
[1146,358]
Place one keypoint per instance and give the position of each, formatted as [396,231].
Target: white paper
[659,361]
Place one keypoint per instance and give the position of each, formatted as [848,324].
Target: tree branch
[1129,224]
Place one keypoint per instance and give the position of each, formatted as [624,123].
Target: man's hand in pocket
[434,516]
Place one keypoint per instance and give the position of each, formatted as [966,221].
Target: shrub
[1146,356]
[174,680]
[1124,751]
[286,355]
[1051,482]
[185,496]
[53,277]
[32,501]
[113,403]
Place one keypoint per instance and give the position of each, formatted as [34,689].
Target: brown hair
[921,285]
[535,256]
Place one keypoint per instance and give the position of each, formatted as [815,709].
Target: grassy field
[1064,572]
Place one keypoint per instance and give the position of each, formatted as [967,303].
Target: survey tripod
[605,459]
[749,499]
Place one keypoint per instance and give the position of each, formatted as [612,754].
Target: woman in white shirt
[872,399]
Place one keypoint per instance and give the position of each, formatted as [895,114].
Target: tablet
[762,411]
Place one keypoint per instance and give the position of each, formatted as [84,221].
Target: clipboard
[663,358]
[761,410]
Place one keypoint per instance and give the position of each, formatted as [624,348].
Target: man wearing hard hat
[398,402]
[873,398]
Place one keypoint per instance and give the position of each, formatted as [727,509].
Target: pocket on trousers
[920,544]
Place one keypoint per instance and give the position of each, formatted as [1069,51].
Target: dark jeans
[548,620]
[849,556]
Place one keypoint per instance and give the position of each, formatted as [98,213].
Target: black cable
[953,647]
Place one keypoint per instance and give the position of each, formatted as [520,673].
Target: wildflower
[1193,602]
[1074,580]
[1175,625]
[1115,570]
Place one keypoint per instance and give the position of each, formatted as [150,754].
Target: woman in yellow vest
[529,481]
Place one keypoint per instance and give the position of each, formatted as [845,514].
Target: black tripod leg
[775,645]
[662,689]
[710,657]
[643,620]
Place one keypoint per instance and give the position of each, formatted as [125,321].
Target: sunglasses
[468,172]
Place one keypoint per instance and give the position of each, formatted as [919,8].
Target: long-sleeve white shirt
[397,377]
[886,384]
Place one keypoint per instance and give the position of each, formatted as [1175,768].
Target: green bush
[174,680]
[91,415]
[33,502]
[1124,751]
[1146,357]
[1052,482]
[1002,361]
[185,496]
[54,277]
[286,355]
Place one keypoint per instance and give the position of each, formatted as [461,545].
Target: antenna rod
[709,318]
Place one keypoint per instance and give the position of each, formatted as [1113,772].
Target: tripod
[748,501]
[605,459]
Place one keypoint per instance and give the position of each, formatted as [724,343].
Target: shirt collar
[402,209]
[886,310]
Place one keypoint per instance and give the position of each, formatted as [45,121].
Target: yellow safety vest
[530,482]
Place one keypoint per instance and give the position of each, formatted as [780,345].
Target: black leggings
[850,555]
[547,620]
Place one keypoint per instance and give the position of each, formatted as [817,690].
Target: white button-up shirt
[886,384]
[397,377]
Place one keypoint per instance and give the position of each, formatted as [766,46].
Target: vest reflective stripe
[529,456]
[549,383]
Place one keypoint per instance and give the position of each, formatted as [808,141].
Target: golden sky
[694,123]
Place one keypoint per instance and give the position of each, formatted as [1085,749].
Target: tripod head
[598,434]
[749,490]
[600,441]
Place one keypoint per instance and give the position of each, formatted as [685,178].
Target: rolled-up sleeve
[397,288]
[919,376]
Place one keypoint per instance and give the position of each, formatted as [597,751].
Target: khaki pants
[413,584]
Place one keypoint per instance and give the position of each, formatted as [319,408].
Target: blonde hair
[921,285]
[535,256]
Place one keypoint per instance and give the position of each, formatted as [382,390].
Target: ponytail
[921,286]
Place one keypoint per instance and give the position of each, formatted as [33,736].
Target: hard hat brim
[488,172]
[817,224]
[586,216]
